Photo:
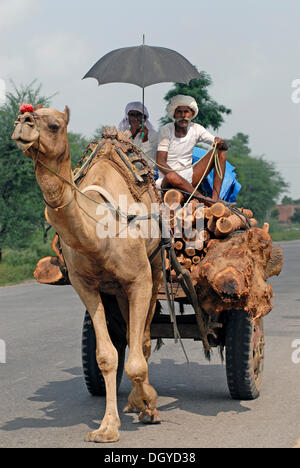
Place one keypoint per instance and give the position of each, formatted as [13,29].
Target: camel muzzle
[26,132]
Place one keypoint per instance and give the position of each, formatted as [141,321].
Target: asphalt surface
[44,401]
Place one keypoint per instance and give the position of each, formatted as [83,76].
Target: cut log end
[47,271]
[218,210]
[230,283]
[173,198]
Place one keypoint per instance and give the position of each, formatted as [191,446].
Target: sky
[251,50]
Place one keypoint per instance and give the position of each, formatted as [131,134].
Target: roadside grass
[18,265]
[284,232]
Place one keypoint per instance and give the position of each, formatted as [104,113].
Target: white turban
[135,106]
[181,100]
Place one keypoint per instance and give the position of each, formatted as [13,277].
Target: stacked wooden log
[195,226]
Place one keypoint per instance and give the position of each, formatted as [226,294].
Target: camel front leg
[107,359]
[143,396]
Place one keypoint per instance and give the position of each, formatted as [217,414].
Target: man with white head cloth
[176,142]
[142,132]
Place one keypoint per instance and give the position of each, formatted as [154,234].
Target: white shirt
[180,150]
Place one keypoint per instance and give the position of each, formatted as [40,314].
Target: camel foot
[148,416]
[130,409]
[103,436]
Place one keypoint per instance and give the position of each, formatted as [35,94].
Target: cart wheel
[244,355]
[93,377]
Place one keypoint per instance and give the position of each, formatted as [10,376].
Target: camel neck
[52,178]
[63,211]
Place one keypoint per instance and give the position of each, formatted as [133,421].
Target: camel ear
[67,114]
[38,106]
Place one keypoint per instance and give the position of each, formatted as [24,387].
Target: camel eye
[53,127]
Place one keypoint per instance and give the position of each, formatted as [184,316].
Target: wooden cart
[241,337]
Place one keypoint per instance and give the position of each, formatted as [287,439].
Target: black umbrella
[143,66]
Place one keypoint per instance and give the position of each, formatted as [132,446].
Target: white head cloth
[135,106]
[181,100]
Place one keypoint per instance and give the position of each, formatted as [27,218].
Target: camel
[116,266]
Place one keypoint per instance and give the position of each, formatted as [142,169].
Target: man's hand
[144,131]
[137,127]
[221,144]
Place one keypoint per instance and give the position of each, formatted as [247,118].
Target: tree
[286,200]
[78,144]
[261,183]
[21,201]
[289,201]
[296,216]
[275,213]
[210,112]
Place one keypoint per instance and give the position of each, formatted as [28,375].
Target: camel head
[42,130]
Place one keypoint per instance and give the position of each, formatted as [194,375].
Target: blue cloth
[230,186]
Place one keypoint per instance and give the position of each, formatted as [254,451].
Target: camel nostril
[29,121]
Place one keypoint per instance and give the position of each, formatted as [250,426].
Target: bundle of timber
[194,225]
[229,258]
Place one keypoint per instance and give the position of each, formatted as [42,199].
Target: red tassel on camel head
[26,108]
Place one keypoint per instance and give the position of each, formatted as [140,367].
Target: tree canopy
[289,200]
[210,112]
[21,202]
[262,184]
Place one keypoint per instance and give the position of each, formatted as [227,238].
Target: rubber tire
[93,377]
[241,379]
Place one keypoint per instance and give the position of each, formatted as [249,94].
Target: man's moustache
[182,120]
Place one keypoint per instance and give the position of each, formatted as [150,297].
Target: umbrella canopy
[143,66]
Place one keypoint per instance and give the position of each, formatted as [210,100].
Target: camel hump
[118,148]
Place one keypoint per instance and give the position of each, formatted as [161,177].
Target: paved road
[44,402]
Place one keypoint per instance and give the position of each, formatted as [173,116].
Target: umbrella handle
[143,97]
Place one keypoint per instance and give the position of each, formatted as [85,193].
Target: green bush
[18,265]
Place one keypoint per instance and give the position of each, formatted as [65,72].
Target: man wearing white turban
[176,142]
[142,132]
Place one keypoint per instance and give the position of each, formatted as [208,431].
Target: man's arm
[205,136]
